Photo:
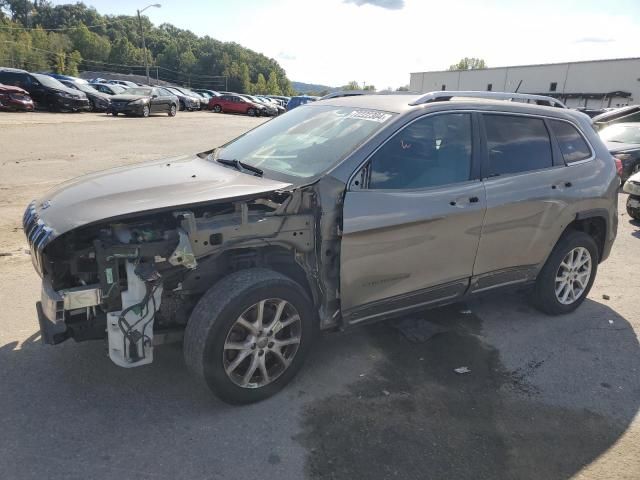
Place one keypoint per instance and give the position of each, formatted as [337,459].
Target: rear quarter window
[517,144]
[572,144]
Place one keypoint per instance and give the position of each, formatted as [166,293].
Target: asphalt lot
[546,398]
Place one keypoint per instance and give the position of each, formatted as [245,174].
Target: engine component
[130,330]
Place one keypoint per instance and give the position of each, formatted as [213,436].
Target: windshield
[85,88]
[305,141]
[47,81]
[146,92]
[621,134]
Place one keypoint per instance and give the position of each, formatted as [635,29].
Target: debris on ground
[466,311]
[606,297]
[610,322]
[5,254]
[386,393]
[462,370]
[417,330]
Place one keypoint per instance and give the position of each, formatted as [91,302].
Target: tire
[545,297]
[632,212]
[251,112]
[182,107]
[145,111]
[115,114]
[213,325]
[217,108]
[92,107]
[172,110]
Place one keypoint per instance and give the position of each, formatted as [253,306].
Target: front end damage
[134,279]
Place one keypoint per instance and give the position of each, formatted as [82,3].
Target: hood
[161,184]
[127,98]
[617,147]
[98,94]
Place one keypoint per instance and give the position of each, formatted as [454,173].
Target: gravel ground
[545,398]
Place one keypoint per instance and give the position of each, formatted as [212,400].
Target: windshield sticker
[372,116]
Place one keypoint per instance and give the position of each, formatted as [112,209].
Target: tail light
[618,161]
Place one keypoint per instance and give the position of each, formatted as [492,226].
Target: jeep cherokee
[338,213]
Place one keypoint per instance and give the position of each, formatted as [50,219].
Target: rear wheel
[145,111]
[182,107]
[217,108]
[249,334]
[251,112]
[567,276]
[115,114]
[172,110]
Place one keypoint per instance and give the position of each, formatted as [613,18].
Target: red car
[14,99]
[235,104]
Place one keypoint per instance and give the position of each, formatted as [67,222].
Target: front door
[412,219]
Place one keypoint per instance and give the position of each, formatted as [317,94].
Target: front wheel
[633,207]
[172,110]
[217,108]
[115,114]
[251,112]
[249,334]
[145,111]
[567,276]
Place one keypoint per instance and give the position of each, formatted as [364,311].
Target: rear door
[412,219]
[526,184]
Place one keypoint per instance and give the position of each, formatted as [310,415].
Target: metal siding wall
[588,77]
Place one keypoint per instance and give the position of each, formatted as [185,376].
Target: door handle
[564,184]
[474,200]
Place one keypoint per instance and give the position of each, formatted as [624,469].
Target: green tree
[90,45]
[352,85]
[273,88]
[72,62]
[469,63]
[404,88]
[123,52]
[260,86]
[245,79]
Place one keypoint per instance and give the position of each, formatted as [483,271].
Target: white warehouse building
[590,84]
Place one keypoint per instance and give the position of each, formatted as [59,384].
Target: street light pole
[144,45]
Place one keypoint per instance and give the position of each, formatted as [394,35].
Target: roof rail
[443,96]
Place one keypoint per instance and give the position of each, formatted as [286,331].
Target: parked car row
[21,90]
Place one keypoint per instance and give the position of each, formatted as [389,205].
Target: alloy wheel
[262,343]
[573,275]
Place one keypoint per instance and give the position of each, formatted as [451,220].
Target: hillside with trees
[39,36]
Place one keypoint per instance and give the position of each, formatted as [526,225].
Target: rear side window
[517,144]
[572,145]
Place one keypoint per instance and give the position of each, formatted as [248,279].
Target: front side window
[572,145]
[432,151]
[517,144]
[306,141]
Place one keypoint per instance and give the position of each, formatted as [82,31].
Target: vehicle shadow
[568,394]
[372,403]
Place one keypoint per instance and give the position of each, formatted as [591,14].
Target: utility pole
[144,45]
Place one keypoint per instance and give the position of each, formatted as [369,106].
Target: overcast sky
[381,41]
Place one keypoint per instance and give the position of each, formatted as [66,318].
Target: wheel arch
[214,268]
[595,223]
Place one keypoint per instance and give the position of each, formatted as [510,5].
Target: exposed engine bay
[139,276]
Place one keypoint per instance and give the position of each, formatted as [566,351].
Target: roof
[14,70]
[388,103]
[533,65]
[402,103]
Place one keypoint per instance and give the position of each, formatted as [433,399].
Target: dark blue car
[300,100]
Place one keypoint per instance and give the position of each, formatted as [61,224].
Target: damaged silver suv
[341,212]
